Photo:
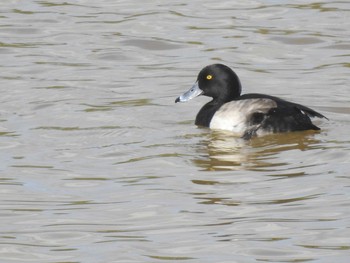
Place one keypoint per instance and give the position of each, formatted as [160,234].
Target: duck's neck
[207,112]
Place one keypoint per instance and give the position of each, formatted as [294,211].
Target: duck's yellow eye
[209,77]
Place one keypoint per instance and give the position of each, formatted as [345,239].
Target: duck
[248,115]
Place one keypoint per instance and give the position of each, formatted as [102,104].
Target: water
[99,165]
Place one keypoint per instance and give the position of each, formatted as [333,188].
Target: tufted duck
[247,115]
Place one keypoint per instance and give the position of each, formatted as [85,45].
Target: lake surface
[99,165]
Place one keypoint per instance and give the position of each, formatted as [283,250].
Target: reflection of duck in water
[220,151]
[247,115]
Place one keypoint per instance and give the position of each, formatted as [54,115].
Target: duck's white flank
[234,115]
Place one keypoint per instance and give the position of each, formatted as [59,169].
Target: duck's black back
[284,105]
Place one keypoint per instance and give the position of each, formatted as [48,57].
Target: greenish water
[99,165]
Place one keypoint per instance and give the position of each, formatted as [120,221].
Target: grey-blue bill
[192,93]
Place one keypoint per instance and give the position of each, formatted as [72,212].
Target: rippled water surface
[99,165]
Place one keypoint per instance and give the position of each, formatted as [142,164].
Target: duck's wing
[284,104]
[284,116]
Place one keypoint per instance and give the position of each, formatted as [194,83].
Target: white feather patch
[234,115]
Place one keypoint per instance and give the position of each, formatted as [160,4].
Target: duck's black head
[217,81]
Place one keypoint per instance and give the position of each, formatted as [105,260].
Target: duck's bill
[192,93]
